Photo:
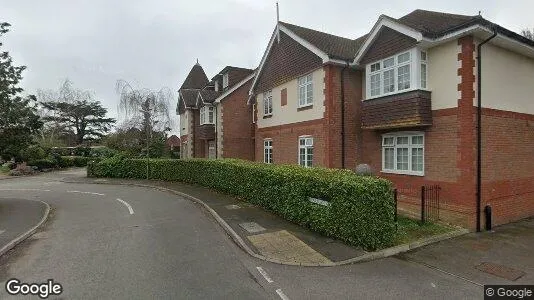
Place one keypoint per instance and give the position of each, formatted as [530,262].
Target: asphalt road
[155,245]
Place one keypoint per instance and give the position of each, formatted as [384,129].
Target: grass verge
[4,170]
[410,230]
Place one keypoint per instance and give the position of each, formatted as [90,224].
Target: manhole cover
[252,227]
[500,271]
[233,206]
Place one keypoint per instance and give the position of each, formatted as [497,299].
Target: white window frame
[268,103]
[308,144]
[305,82]
[216,86]
[410,147]
[268,151]
[205,112]
[225,80]
[424,62]
[414,62]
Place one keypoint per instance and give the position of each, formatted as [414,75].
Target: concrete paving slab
[252,227]
[282,245]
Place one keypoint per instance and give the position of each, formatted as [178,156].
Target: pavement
[155,244]
[18,218]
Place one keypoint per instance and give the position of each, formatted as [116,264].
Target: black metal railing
[429,201]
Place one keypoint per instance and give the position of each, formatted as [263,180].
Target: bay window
[403,153]
[402,72]
[207,115]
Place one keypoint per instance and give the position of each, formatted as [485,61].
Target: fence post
[395,198]
[422,204]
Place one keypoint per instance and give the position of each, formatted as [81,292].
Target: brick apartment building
[403,99]
[215,120]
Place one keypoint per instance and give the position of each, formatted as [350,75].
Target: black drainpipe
[343,115]
[479,126]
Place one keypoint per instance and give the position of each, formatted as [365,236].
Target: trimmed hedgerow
[361,210]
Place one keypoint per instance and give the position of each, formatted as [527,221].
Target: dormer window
[216,85]
[225,80]
[402,72]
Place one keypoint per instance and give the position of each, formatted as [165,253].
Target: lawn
[410,230]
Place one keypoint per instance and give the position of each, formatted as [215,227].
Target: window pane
[389,62]
[375,67]
[417,159]
[375,85]
[404,57]
[403,77]
[423,55]
[388,141]
[302,95]
[309,78]
[389,81]
[402,159]
[389,158]
[423,76]
[302,141]
[417,140]
[402,140]
[309,94]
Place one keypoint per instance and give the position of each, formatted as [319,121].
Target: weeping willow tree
[146,110]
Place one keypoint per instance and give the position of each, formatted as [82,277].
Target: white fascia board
[182,98]
[263,59]
[387,22]
[235,87]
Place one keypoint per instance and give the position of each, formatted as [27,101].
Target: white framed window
[207,115]
[216,85]
[268,151]
[306,151]
[268,103]
[225,80]
[423,69]
[403,153]
[305,90]
[395,74]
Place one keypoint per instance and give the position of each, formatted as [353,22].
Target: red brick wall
[198,144]
[332,116]
[508,164]
[237,139]
[286,138]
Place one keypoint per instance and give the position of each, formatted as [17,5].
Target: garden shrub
[361,210]
[45,163]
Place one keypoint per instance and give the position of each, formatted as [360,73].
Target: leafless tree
[528,33]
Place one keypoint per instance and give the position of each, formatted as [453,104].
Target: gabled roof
[208,95]
[196,79]
[431,24]
[334,46]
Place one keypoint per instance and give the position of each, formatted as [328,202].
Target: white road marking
[281,294]
[26,190]
[127,205]
[264,274]
[90,193]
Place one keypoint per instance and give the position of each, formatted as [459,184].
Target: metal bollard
[487,213]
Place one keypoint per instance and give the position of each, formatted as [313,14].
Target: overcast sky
[155,43]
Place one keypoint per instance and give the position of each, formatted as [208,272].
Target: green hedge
[62,162]
[361,210]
